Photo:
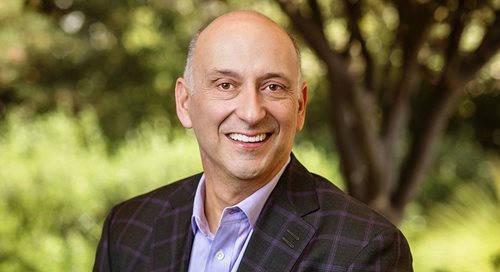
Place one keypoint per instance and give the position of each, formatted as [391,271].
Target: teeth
[247,139]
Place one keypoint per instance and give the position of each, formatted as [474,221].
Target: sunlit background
[87,119]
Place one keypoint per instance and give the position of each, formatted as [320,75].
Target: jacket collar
[281,233]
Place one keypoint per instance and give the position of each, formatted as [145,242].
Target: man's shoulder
[335,202]
[173,195]
[325,203]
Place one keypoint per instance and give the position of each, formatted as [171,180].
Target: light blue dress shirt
[223,251]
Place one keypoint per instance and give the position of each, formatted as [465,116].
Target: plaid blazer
[307,224]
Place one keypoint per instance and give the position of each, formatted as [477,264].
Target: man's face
[247,102]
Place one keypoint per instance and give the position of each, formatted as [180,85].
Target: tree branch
[456,75]
[424,141]
[353,10]
[316,12]
[311,31]
[412,34]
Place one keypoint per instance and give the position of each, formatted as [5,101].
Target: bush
[58,181]
[460,234]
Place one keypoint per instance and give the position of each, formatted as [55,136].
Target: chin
[248,174]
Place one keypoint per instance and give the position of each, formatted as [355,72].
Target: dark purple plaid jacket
[307,224]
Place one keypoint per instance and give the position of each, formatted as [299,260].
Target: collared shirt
[224,250]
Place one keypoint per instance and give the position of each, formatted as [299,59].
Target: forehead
[246,43]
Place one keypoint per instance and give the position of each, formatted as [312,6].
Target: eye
[276,90]
[226,86]
[274,87]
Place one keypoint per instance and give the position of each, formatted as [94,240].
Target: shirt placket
[222,249]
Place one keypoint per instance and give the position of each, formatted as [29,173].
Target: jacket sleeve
[387,251]
[103,257]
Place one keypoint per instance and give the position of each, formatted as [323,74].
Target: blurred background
[404,114]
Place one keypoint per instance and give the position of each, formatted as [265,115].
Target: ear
[182,99]
[301,114]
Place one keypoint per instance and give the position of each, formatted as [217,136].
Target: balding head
[240,23]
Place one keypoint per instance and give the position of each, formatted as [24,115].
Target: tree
[392,91]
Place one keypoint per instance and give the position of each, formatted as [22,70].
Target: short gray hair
[188,69]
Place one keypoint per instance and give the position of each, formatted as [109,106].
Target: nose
[250,106]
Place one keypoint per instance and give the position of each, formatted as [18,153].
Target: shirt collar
[251,206]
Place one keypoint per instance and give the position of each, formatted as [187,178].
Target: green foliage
[57,182]
[453,224]
[462,234]
[122,60]
[454,167]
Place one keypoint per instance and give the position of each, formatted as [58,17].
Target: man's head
[243,96]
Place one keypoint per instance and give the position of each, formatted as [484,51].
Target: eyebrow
[231,73]
[224,72]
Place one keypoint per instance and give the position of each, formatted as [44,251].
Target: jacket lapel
[281,233]
[173,236]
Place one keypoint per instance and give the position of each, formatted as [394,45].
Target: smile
[248,139]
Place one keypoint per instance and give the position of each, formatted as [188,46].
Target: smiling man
[254,207]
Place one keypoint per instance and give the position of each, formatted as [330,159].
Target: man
[255,207]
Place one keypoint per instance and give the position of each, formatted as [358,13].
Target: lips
[248,139]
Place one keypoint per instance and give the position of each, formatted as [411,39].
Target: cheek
[209,113]
[286,115]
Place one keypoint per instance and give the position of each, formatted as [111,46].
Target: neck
[222,194]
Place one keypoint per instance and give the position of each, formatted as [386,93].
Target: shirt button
[219,255]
